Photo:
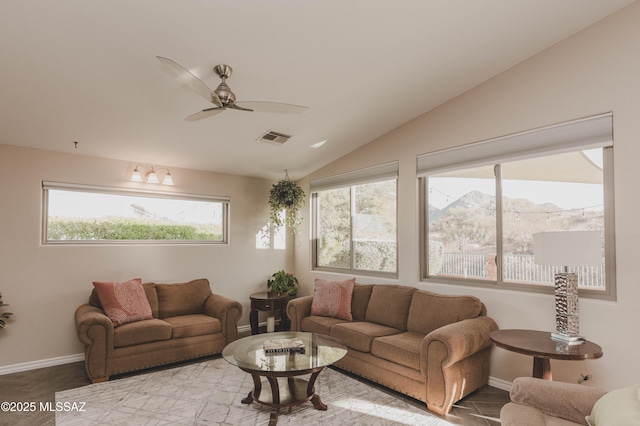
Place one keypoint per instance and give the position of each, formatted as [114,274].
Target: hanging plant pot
[286,195]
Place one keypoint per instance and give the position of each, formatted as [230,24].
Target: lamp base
[569,340]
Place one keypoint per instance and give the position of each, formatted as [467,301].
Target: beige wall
[45,284]
[593,72]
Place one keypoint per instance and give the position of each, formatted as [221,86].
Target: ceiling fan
[222,97]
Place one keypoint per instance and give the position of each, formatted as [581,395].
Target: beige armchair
[537,402]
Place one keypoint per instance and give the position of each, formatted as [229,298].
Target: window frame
[379,173]
[609,293]
[46,186]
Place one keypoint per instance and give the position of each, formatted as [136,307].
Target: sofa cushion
[193,325]
[360,300]
[617,408]
[430,311]
[332,298]
[319,325]
[139,332]
[359,335]
[149,289]
[182,299]
[403,348]
[389,305]
[152,297]
[123,302]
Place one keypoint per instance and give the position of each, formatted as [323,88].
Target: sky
[566,195]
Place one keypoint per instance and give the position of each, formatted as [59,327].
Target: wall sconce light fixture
[150,176]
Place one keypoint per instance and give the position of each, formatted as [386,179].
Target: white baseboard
[34,365]
[500,384]
[246,328]
[68,359]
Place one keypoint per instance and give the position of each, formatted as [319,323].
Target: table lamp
[567,248]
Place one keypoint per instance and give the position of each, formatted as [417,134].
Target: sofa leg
[100,379]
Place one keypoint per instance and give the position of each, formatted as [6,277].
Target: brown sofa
[189,321]
[432,347]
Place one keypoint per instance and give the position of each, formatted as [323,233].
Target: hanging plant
[286,195]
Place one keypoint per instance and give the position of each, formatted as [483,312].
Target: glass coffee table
[281,370]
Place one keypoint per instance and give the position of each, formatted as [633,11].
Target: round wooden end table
[543,349]
[268,301]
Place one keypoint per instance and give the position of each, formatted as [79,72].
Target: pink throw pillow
[333,298]
[124,302]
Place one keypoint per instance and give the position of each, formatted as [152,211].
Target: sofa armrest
[454,342]
[228,311]
[298,309]
[93,326]
[569,401]
[95,331]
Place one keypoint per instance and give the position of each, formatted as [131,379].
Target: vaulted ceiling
[86,71]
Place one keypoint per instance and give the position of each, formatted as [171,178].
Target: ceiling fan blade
[185,76]
[239,108]
[204,114]
[272,107]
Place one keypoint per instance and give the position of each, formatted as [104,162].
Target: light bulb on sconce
[151,176]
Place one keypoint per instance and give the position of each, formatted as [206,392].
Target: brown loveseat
[432,347]
[189,321]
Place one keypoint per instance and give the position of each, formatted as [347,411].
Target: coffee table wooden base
[283,392]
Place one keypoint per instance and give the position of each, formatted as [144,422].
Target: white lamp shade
[168,180]
[152,177]
[568,248]
[136,177]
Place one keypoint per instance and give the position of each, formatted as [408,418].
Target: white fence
[516,268]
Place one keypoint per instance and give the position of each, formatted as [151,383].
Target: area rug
[209,393]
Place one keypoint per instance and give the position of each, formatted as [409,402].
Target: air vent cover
[274,138]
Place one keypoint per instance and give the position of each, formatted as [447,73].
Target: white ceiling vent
[274,138]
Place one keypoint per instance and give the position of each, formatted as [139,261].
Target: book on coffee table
[283,345]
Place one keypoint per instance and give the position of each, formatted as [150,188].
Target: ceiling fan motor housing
[223,91]
[225,94]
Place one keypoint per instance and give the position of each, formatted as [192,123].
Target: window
[478,216]
[354,221]
[87,214]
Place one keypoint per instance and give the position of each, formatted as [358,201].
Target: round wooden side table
[539,345]
[267,301]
